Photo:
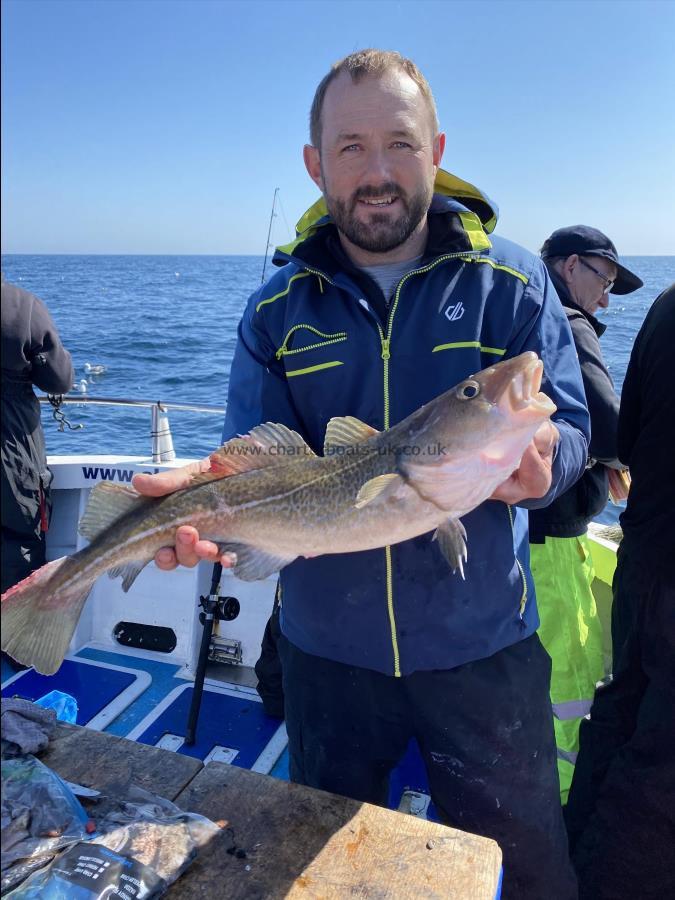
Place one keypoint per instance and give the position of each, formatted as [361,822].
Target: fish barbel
[268,499]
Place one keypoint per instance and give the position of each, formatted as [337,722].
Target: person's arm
[645,397]
[51,364]
[602,400]
[628,427]
[557,456]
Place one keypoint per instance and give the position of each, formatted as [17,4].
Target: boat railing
[162,440]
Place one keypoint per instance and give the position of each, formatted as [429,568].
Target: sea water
[164,328]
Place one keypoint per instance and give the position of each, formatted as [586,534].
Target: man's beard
[380,233]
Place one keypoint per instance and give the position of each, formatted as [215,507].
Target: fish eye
[468,390]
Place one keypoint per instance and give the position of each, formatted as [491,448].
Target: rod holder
[162,441]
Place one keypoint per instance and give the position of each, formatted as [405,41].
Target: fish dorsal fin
[373,488]
[287,444]
[265,445]
[107,503]
[345,431]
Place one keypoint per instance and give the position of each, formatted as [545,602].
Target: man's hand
[189,549]
[533,477]
[619,484]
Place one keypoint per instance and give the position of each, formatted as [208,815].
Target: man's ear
[439,147]
[568,266]
[312,158]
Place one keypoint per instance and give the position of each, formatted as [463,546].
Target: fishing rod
[269,233]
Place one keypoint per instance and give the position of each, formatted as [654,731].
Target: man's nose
[377,166]
[604,301]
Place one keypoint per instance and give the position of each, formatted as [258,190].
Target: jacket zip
[523,598]
[385,343]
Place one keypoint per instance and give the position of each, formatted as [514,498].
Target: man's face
[587,278]
[378,159]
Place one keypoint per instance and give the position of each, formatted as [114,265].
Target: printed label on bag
[107,874]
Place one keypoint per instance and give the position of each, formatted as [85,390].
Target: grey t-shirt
[387,276]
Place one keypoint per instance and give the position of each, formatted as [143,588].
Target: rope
[56,401]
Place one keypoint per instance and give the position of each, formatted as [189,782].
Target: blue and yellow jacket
[311,346]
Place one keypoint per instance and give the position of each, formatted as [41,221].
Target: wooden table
[109,763]
[281,839]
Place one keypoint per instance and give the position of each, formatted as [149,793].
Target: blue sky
[149,126]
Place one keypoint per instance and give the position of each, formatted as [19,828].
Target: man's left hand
[532,478]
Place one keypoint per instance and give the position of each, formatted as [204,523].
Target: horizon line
[258,255]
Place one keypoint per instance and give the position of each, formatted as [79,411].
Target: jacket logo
[454,312]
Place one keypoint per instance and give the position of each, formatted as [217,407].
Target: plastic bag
[141,847]
[63,705]
[40,816]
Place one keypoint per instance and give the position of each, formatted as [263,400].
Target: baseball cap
[586,241]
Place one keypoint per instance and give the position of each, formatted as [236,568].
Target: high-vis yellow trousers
[571,632]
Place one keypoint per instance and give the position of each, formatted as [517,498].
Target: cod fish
[268,499]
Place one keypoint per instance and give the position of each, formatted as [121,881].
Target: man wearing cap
[584,266]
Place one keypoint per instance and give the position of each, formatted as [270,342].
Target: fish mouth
[523,394]
[514,386]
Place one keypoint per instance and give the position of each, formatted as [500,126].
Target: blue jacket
[310,346]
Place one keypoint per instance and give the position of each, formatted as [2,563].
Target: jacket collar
[566,300]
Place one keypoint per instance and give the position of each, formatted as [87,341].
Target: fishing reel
[223,609]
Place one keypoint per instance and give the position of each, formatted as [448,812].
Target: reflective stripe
[457,345]
[328,365]
[474,231]
[284,292]
[568,756]
[572,709]
[390,611]
[495,265]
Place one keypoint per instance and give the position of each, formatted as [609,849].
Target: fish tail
[39,615]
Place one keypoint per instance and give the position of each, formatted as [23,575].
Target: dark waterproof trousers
[485,730]
[268,667]
[621,809]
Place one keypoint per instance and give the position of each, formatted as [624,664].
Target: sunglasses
[607,282]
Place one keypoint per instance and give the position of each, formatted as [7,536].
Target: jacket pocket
[303,339]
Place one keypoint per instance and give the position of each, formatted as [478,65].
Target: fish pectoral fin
[373,488]
[265,445]
[451,537]
[129,572]
[253,564]
[107,503]
[345,431]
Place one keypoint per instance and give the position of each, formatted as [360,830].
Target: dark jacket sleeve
[51,364]
[602,400]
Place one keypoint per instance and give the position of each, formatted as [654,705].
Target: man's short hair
[359,65]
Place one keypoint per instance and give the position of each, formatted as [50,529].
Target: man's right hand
[189,549]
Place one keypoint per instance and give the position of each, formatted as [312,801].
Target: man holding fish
[389,299]
[398,352]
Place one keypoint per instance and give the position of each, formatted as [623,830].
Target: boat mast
[269,232]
